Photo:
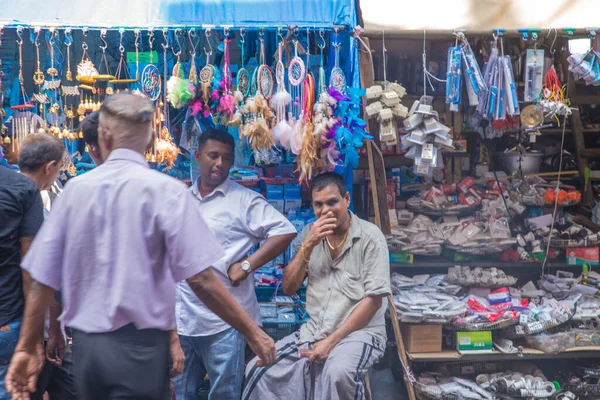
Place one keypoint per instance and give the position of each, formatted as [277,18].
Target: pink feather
[196,107]
[215,95]
[226,105]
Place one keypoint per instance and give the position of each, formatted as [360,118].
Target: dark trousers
[124,364]
[58,381]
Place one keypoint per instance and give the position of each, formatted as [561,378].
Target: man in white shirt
[240,218]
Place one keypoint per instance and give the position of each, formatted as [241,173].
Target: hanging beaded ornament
[243,77]
[337,79]
[264,79]
[151,75]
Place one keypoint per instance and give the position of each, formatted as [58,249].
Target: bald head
[125,122]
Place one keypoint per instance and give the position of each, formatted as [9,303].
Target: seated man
[347,263]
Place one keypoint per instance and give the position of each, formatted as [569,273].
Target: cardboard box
[474,342]
[422,338]
[581,255]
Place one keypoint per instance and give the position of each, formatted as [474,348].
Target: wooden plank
[376,165]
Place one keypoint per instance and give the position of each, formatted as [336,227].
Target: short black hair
[220,135]
[38,149]
[325,179]
[89,128]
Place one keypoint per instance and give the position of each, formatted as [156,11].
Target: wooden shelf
[419,264]
[528,354]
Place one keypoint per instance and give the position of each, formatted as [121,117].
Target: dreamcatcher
[193,36]
[151,75]
[107,75]
[243,77]
[264,78]
[309,156]
[165,151]
[337,79]
[283,131]
[122,76]
[207,74]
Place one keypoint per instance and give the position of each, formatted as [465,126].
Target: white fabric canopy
[397,16]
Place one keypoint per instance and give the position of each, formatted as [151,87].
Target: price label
[523,319]
[544,317]
[535,326]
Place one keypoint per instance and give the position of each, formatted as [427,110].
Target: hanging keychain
[68,43]
[322,83]
[243,77]
[193,77]
[86,69]
[38,75]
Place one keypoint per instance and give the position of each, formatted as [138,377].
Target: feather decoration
[279,102]
[179,92]
[226,105]
[296,139]
[282,132]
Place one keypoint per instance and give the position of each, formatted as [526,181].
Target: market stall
[514,99]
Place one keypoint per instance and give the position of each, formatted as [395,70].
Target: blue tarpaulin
[166,13]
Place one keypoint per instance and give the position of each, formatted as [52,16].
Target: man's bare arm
[359,318]
[32,330]
[27,282]
[217,298]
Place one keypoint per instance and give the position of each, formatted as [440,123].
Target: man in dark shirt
[21,215]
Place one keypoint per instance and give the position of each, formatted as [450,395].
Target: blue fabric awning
[170,13]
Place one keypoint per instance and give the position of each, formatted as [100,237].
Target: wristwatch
[246,267]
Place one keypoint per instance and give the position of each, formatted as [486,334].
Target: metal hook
[121,47]
[178,35]
[137,33]
[103,38]
[552,49]
[243,36]
[280,34]
[165,33]
[37,31]
[261,34]
[20,35]
[191,36]
[322,35]
[151,38]
[207,34]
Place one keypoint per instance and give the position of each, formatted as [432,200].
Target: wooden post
[378,188]
[376,167]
